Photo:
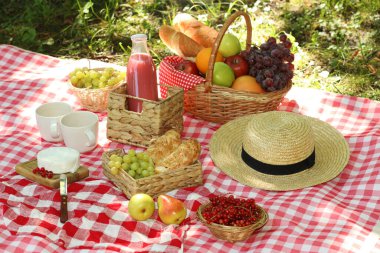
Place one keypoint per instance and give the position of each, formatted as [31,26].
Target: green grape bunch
[96,78]
[136,164]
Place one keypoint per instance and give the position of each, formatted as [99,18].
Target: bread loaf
[164,145]
[179,43]
[196,30]
[185,154]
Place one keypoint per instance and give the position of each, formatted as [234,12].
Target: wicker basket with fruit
[92,86]
[168,163]
[236,83]
[232,219]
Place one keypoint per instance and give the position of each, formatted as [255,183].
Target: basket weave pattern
[156,184]
[94,100]
[139,129]
[220,104]
[232,233]
[225,104]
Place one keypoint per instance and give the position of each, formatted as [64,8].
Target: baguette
[179,43]
[196,30]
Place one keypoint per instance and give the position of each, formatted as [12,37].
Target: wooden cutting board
[26,169]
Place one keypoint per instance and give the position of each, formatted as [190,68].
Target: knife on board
[63,193]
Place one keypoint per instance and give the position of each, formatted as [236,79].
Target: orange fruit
[247,83]
[203,57]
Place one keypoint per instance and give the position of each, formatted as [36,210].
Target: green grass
[344,41]
[336,42]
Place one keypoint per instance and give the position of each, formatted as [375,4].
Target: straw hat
[279,151]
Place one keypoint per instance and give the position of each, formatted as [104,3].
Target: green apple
[223,74]
[171,210]
[141,206]
[229,45]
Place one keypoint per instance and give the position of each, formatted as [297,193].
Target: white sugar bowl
[59,159]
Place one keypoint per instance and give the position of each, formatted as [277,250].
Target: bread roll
[160,169]
[179,43]
[196,30]
[164,145]
[185,154]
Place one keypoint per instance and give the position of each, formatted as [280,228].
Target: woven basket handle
[229,21]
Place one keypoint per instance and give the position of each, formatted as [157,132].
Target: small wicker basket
[232,233]
[156,184]
[94,100]
[139,129]
[220,104]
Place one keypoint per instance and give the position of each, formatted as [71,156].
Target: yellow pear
[171,210]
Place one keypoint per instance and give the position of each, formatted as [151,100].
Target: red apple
[188,67]
[238,64]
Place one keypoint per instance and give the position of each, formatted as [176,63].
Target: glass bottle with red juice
[141,74]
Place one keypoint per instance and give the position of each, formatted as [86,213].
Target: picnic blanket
[341,215]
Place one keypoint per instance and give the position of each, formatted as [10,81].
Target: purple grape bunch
[271,63]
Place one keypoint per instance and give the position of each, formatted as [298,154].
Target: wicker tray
[156,184]
[231,233]
[220,104]
[94,100]
[139,129]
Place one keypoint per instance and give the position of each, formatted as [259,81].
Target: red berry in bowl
[230,211]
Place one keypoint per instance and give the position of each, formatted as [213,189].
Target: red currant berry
[49,174]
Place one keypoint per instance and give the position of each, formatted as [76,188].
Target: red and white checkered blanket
[341,215]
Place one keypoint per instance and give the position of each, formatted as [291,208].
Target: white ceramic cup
[80,130]
[48,117]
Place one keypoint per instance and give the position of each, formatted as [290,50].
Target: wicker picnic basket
[232,233]
[156,184]
[220,104]
[94,100]
[139,129]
